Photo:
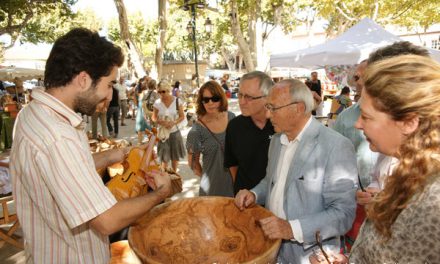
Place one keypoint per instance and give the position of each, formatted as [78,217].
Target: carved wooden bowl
[202,230]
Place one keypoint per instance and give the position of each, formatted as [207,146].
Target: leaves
[34,20]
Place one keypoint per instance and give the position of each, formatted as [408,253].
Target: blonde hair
[405,87]
[164,85]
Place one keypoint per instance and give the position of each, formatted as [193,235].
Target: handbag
[163,133]
[149,104]
[182,124]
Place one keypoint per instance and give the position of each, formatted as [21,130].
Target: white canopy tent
[9,73]
[349,48]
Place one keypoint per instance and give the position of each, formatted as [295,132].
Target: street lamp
[191,5]
[208,25]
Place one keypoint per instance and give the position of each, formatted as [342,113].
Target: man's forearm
[233,171]
[125,212]
[107,158]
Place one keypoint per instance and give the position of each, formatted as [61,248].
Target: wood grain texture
[122,254]
[202,230]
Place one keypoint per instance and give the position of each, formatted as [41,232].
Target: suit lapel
[305,148]
[275,155]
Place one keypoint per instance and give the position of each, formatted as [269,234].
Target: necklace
[213,118]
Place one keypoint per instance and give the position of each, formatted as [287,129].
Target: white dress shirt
[384,167]
[276,200]
[122,91]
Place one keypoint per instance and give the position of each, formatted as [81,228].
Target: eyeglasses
[248,97]
[161,92]
[272,108]
[356,78]
[213,99]
[319,242]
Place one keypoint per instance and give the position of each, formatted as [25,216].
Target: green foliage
[143,33]
[406,13]
[34,20]
[49,28]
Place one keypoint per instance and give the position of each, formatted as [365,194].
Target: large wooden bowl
[202,230]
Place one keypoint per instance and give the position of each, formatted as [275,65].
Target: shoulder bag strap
[148,96]
[212,134]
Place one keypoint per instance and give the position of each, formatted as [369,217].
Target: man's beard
[85,103]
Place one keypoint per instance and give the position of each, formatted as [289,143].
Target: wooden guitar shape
[132,182]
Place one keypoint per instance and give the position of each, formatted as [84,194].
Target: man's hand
[275,228]
[364,198]
[334,257]
[244,199]
[161,184]
[317,98]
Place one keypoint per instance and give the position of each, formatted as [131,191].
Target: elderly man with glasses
[248,135]
[310,181]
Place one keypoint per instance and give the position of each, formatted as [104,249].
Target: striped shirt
[55,185]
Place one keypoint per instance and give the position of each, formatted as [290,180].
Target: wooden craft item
[202,230]
[132,182]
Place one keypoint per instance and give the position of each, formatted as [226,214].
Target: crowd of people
[378,167]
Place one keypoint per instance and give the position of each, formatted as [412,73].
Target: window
[435,43]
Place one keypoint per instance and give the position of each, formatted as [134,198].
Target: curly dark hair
[80,50]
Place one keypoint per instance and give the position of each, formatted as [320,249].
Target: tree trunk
[229,58]
[161,38]
[309,26]
[133,52]
[238,35]
[253,15]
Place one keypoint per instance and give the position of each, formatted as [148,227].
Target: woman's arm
[181,115]
[194,163]
[155,115]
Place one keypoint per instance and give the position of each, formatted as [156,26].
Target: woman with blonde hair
[400,116]
[167,114]
[207,139]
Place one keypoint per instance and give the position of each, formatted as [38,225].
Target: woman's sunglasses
[161,92]
[213,99]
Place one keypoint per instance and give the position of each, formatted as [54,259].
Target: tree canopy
[34,20]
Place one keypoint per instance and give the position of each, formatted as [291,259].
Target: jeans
[113,112]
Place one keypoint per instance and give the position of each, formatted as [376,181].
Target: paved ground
[11,255]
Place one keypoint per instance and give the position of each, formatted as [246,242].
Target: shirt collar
[285,140]
[39,95]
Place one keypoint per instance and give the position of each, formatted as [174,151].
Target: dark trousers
[113,112]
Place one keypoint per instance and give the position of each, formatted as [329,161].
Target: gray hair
[299,92]
[265,81]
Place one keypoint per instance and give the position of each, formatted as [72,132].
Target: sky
[106,9]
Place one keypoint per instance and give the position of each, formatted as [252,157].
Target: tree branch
[344,14]
[376,11]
